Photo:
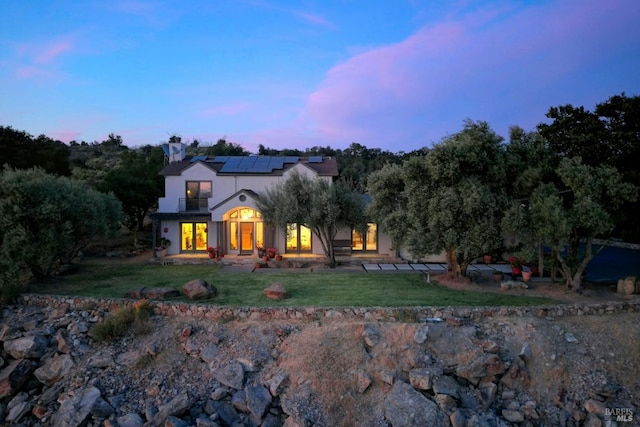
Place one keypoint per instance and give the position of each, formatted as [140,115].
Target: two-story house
[211,202]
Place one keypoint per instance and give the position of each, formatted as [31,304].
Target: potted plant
[278,257]
[215,252]
[526,273]
[516,266]
[261,251]
[272,252]
[161,250]
[487,258]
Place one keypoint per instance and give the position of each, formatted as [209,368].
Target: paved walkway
[434,267]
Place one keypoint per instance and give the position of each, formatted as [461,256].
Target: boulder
[199,289]
[54,369]
[176,406]
[32,346]
[421,334]
[405,406]
[371,336]
[276,292]
[258,400]
[422,378]
[75,409]
[231,375]
[14,376]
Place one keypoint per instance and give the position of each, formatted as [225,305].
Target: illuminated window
[298,238]
[193,236]
[367,242]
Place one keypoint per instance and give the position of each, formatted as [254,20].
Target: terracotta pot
[265,258]
[498,276]
[278,257]
[212,255]
[526,276]
[488,259]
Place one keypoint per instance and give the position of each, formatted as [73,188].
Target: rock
[75,409]
[363,381]
[17,411]
[525,351]
[231,375]
[371,336]
[176,406]
[130,420]
[421,334]
[102,359]
[446,385]
[63,343]
[225,411]
[258,400]
[404,406]
[512,416]
[487,394]
[14,376]
[276,292]
[239,401]
[594,406]
[457,418]
[209,353]
[277,383]
[199,289]
[422,378]
[54,369]
[28,347]
[629,286]
[172,421]
[570,338]
[130,358]
[219,393]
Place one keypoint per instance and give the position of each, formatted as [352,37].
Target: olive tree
[568,216]
[46,220]
[325,207]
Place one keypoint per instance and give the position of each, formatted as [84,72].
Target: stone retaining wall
[399,314]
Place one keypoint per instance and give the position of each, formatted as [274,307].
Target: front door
[246,237]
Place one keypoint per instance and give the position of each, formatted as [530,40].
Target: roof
[254,165]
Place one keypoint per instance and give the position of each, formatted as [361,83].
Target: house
[211,202]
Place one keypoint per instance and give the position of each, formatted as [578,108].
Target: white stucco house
[211,202]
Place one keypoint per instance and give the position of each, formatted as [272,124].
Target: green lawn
[319,289]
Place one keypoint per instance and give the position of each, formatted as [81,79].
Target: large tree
[137,184]
[46,220]
[610,135]
[325,207]
[570,215]
[454,197]
[20,150]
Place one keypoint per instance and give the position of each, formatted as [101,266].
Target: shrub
[122,321]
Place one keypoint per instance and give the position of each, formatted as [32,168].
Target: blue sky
[397,75]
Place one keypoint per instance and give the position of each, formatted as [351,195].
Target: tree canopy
[46,220]
[325,207]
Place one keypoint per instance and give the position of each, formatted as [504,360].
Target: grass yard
[319,289]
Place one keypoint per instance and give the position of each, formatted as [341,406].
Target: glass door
[246,237]
[193,237]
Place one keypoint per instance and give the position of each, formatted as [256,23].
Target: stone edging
[401,314]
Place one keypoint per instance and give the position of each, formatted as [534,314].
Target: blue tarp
[613,263]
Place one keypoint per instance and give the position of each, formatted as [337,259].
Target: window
[367,242]
[197,194]
[298,238]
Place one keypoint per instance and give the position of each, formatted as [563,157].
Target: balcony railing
[193,205]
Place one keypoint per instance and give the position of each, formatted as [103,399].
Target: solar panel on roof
[198,158]
[315,159]
[276,163]
[291,159]
[246,163]
[261,165]
[220,159]
[231,165]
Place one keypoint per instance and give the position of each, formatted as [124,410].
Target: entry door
[246,237]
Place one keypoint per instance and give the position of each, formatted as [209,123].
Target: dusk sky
[397,75]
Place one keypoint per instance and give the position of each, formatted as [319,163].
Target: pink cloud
[47,53]
[484,65]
